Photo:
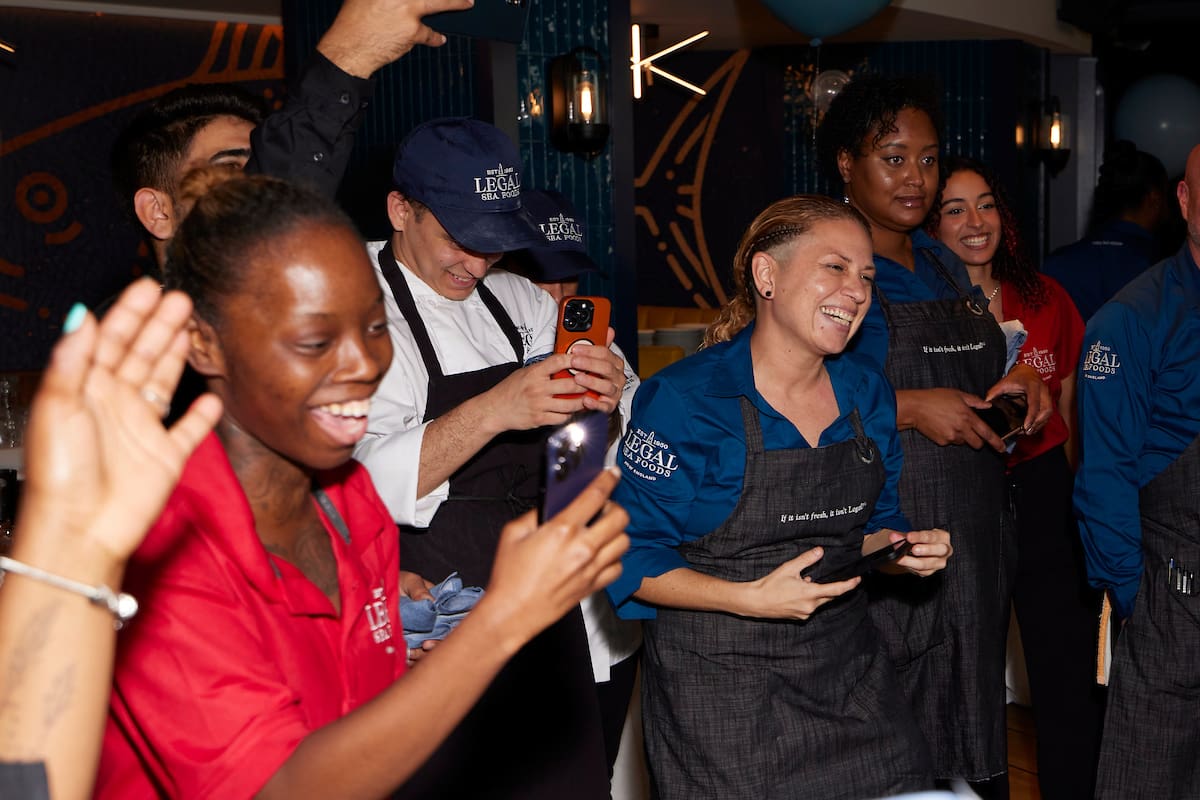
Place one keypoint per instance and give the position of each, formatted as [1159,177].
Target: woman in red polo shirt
[265,658]
[1056,609]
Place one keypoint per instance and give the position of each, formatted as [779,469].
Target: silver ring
[160,404]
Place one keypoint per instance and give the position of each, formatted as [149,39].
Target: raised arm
[100,467]
[310,139]
[539,575]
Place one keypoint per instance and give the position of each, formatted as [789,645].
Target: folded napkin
[1014,337]
[434,619]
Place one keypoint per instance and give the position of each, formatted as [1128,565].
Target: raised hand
[542,572]
[100,461]
[369,34]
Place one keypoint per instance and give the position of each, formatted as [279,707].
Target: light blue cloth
[434,619]
[1014,338]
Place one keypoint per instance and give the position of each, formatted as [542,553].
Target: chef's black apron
[1151,744]
[947,632]
[747,708]
[536,731]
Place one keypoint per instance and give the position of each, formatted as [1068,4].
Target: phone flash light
[576,434]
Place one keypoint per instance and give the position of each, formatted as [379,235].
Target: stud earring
[767,294]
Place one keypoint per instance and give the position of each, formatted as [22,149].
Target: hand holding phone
[574,455]
[871,561]
[581,321]
[1006,416]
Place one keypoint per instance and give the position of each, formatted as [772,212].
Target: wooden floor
[1022,755]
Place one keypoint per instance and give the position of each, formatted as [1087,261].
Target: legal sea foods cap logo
[1100,362]
[500,183]
[562,228]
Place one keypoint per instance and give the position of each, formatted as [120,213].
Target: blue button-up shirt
[1139,409]
[1094,269]
[684,455]
[900,285]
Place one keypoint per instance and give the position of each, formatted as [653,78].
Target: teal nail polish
[74,318]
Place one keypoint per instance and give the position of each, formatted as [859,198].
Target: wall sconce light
[579,102]
[1053,148]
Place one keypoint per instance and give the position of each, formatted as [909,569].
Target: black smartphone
[502,20]
[1006,416]
[861,566]
[574,455]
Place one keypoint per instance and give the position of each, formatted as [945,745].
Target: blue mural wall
[707,165]
[79,79]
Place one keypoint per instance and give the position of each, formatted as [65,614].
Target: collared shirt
[1139,409]
[310,139]
[1055,335]
[900,285]
[684,455]
[235,656]
[1095,268]
[465,337]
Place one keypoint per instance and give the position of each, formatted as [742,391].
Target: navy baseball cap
[468,174]
[562,254]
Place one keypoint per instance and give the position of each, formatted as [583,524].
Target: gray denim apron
[946,633]
[1151,744]
[743,708]
[535,734]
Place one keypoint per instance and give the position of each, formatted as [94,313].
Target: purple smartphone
[574,456]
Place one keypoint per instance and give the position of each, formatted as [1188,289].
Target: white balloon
[1161,115]
[826,86]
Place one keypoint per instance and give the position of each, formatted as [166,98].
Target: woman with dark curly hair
[1055,606]
[945,357]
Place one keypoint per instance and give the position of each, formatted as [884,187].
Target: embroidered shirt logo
[526,334]
[648,456]
[562,229]
[1044,361]
[500,183]
[377,616]
[1100,362]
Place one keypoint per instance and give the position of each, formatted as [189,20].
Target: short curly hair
[867,107]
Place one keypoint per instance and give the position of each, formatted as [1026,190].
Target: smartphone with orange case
[581,320]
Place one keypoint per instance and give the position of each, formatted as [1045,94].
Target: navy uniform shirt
[684,455]
[1094,269]
[901,286]
[1139,409]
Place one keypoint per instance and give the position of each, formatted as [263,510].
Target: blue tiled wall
[556,27]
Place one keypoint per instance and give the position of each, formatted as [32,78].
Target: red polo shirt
[235,656]
[1055,339]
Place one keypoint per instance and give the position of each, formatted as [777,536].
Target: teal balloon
[1161,115]
[821,18]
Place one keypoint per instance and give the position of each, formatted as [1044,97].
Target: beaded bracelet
[122,606]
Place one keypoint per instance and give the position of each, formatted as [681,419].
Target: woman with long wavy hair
[1056,609]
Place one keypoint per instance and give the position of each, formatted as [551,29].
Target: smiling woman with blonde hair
[746,464]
